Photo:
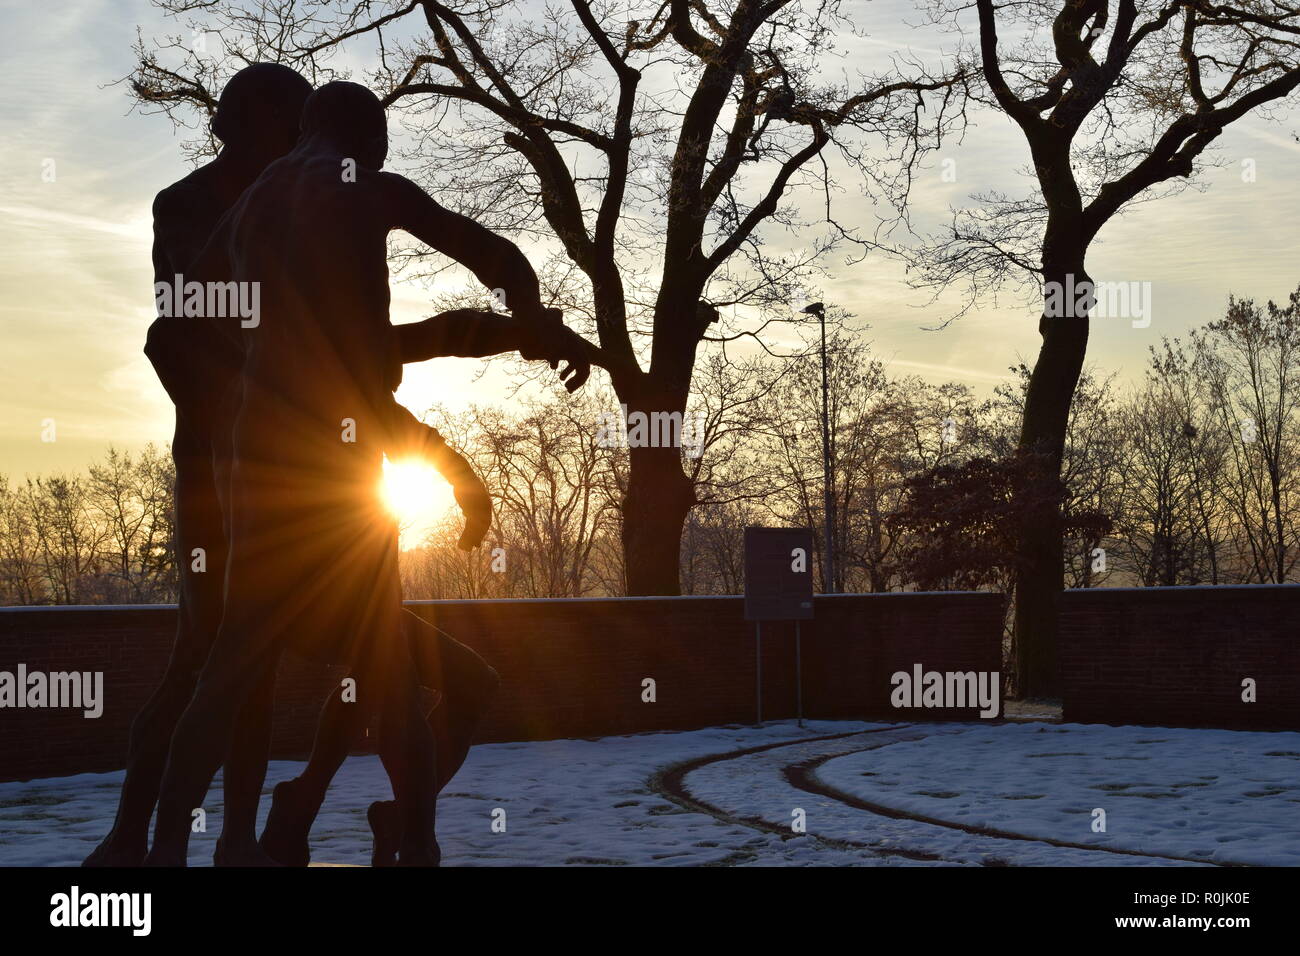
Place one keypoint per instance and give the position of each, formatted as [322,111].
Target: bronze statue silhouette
[257,121]
[312,558]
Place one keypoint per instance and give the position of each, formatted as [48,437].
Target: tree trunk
[659,497]
[1040,566]
[659,494]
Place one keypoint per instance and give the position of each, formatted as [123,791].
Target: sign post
[798,675]
[778,587]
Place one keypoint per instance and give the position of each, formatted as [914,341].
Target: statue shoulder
[395,184]
[184,198]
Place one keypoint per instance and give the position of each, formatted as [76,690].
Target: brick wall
[569,668]
[1177,656]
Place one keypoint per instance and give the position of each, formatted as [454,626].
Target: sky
[76,276]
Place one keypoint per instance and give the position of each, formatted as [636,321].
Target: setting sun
[415,494]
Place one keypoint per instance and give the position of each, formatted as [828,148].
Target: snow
[566,801]
[1217,795]
[1208,795]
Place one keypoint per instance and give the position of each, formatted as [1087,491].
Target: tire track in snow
[803,775]
[670,783]
[799,773]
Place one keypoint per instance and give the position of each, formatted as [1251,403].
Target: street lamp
[818,309]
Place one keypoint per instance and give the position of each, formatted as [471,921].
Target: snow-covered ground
[1220,795]
[1209,795]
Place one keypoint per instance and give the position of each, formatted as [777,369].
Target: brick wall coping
[569,600]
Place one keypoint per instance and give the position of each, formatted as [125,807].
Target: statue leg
[295,803]
[408,752]
[242,658]
[466,685]
[245,773]
[198,525]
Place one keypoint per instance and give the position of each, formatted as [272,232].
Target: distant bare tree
[1251,363]
[547,467]
[438,569]
[1171,527]
[20,553]
[883,430]
[713,547]
[132,499]
[67,536]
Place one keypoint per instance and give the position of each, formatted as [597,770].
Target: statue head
[260,109]
[350,118]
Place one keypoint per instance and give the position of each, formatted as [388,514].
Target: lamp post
[818,309]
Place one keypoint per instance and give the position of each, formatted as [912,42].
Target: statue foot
[430,855]
[113,852]
[386,825]
[241,854]
[285,836]
[163,857]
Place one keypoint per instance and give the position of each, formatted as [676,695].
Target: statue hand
[572,350]
[471,495]
[552,340]
[537,332]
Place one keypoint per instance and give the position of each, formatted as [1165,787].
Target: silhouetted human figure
[257,121]
[312,563]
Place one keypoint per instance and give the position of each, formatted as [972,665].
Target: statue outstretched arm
[468,333]
[411,437]
[495,261]
[463,333]
[500,265]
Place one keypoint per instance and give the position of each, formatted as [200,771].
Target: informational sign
[778,574]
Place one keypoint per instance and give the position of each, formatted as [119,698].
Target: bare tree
[728,463]
[68,539]
[901,427]
[20,555]
[1117,102]
[132,499]
[1251,363]
[1170,528]
[794,442]
[883,430]
[547,468]
[438,569]
[713,547]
